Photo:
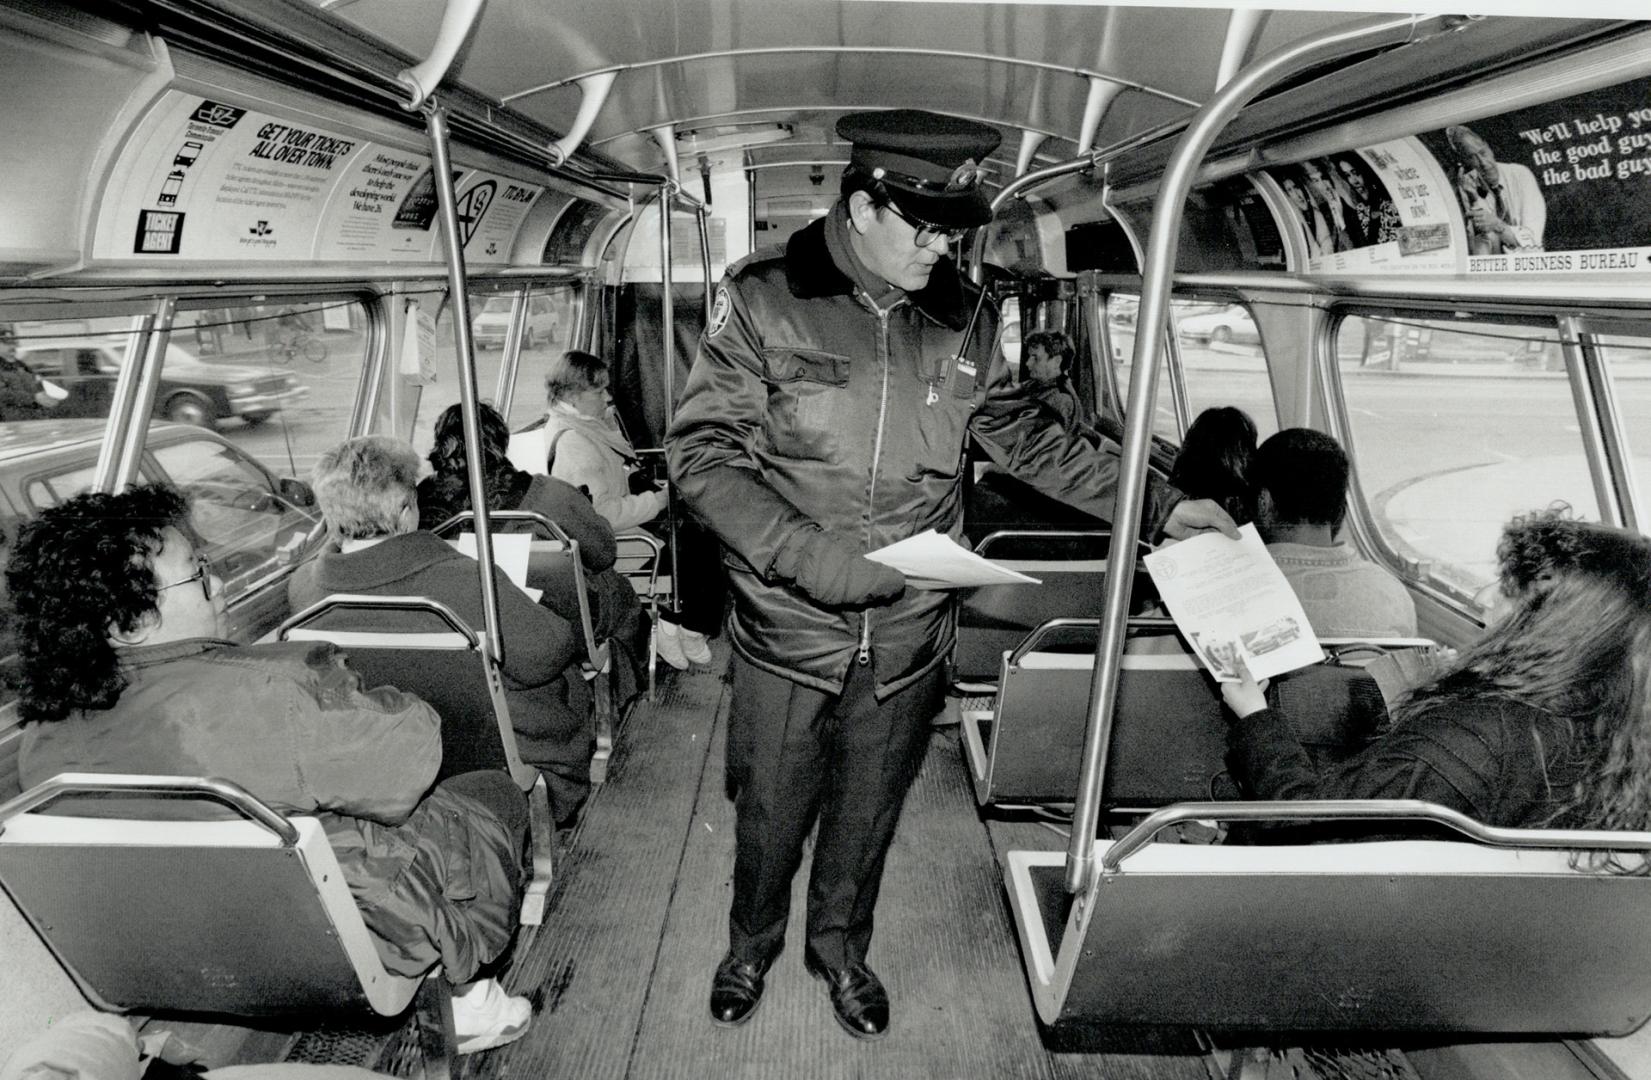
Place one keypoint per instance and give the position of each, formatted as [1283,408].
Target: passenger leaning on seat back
[366,489]
[1300,481]
[1545,721]
[117,622]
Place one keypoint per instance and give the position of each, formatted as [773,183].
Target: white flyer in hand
[1232,601]
[931,560]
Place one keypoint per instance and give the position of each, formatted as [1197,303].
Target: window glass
[1458,425]
[251,394]
[1628,362]
[1121,310]
[1223,362]
[250,530]
[62,369]
[1009,334]
[552,319]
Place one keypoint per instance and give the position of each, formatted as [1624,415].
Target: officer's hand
[835,575]
[1193,516]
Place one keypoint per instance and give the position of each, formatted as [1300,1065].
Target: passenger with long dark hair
[123,670]
[1546,721]
[616,612]
[1214,460]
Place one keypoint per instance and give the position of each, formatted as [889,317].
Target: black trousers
[797,754]
[701,584]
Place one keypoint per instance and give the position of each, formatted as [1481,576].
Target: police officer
[825,417]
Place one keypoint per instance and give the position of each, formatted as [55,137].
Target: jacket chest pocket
[808,401]
[937,433]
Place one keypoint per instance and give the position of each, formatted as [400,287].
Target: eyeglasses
[202,574]
[926,233]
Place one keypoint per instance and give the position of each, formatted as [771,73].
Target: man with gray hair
[367,491]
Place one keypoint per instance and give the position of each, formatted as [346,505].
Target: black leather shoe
[857,997]
[736,991]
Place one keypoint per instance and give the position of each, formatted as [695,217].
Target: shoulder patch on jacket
[719,312]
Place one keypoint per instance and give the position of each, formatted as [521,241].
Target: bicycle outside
[288,345]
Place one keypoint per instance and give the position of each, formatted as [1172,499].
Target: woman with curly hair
[616,611]
[1546,721]
[123,670]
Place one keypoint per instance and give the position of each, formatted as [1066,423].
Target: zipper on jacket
[876,456]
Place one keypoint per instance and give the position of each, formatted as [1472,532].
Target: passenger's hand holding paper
[1231,601]
[931,560]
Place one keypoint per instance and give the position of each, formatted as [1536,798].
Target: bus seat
[640,560]
[1169,733]
[1071,569]
[423,647]
[554,557]
[247,916]
[1389,936]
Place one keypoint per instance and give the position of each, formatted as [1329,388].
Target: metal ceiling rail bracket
[1159,267]
[665,136]
[593,94]
[1101,94]
[422,78]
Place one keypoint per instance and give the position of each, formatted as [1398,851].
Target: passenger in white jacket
[580,442]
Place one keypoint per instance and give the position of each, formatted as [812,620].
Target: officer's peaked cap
[930,163]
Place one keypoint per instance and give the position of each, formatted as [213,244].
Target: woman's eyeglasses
[202,574]
[926,233]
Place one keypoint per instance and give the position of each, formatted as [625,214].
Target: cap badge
[964,177]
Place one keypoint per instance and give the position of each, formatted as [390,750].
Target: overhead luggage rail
[1500,935]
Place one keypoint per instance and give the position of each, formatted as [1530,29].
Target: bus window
[71,367]
[1628,362]
[1454,431]
[1120,328]
[552,320]
[1223,362]
[1009,334]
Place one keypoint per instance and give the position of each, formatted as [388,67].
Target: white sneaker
[695,647]
[670,645]
[485,1016]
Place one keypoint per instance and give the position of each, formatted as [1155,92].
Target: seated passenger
[1046,374]
[1214,460]
[580,442]
[615,609]
[117,621]
[1300,481]
[366,490]
[1543,722]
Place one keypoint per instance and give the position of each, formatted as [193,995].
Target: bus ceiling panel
[1020,65]
[71,86]
[1433,65]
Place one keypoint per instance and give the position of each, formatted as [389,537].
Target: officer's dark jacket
[808,406]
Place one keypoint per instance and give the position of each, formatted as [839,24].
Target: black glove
[835,575]
[641,482]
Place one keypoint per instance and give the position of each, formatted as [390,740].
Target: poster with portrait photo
[1376,209]
[1560,187]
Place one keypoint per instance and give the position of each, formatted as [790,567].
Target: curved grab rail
[1030,643]
[1039,534]
[1366,809]
[229,793]
[365,602]
[552,530]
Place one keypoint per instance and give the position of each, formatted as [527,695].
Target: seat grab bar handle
[231,794]
[1354,809]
